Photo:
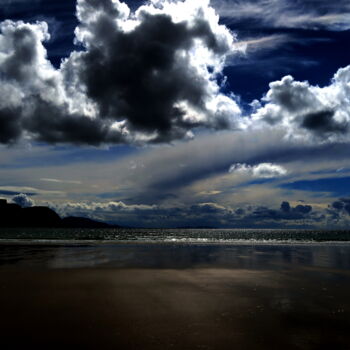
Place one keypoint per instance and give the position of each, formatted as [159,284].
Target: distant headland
[13,215]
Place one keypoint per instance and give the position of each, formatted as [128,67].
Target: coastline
[175,296]
[203,308]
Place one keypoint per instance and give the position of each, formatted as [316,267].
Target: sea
[233,236]
[174,248]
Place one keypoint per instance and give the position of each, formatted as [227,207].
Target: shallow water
[176,255]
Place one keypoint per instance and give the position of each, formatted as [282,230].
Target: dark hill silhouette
[39,217]
[13,215]
[78,222]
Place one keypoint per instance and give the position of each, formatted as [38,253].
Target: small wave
[180,241]
[199,236]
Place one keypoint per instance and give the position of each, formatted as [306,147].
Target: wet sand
[199,306]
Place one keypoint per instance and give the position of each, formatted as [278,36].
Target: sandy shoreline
[182,309]
[175,297]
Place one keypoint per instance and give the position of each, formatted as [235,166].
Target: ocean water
[235,236]
[174,248]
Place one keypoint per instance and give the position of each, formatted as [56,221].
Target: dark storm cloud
[136,74]
[10,129]
[286,212]
[139,77]
[208,208]
[323,122]
[140,74]
[342,205]
[285,207]
[302,209]
[338,205]
[30,100]
[47,123]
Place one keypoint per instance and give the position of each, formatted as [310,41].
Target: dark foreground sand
[293,307]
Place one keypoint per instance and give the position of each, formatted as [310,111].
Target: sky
[178,113]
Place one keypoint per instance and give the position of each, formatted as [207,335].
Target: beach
[183,297]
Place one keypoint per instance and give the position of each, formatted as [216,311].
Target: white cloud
[263,170]
[103,210]
[143,76]
[171,54]
[309,112]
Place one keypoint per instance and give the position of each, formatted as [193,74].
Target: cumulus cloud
[34,103]
[285,213]
[23,200]
[338,213]
[200,214]
[262,170]
[96,208]
[309,112]
[150,75]
[114,211]
[147,76]
[144,76]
